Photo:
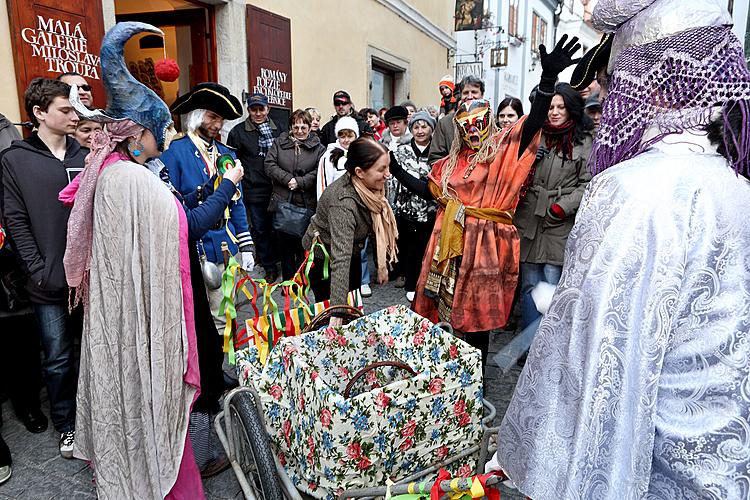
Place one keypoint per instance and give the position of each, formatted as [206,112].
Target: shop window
[538,32]
[382,88]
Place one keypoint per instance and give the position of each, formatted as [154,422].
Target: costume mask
[473,120]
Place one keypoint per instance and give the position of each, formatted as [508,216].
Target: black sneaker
[66,444]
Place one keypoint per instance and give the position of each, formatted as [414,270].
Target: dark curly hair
[362,153]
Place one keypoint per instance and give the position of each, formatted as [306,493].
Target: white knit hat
[347,123]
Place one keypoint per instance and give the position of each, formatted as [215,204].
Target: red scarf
[560,137]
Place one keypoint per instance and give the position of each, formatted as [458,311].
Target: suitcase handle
[372,366]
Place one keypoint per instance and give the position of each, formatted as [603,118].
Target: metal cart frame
[229,427]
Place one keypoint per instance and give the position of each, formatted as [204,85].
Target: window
[538,32]
[513,18]
[381,95]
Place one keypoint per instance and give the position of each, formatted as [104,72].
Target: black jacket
[289,159]
[256,185]
[35,220]
[328,132]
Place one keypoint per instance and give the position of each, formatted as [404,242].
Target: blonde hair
[486,154]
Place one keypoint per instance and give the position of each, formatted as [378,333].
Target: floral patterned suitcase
[392,424]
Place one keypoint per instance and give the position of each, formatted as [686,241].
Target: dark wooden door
[50,37]
[269,52]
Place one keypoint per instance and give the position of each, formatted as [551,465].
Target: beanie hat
[447,81]
[396,113]
[423,116]
[347,123]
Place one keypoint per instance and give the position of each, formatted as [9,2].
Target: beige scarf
[383,223]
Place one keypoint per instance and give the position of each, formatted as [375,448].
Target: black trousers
[20,361]
[209,343]
[292,254]
[413,238]
[322,288]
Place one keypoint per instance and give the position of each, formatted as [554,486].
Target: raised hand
[561,57]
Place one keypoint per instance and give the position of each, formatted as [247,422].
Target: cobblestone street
[40,473]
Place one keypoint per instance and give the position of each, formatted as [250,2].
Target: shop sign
[470,68]
[269,82]
[62,46]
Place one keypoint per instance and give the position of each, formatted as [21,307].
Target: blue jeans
[531,274]
[264,237]
[56,330]
[365,264]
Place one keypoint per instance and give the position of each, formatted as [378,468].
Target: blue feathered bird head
[127,98]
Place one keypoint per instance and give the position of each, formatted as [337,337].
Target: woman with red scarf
[553,191]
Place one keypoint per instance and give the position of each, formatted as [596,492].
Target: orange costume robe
[488,270]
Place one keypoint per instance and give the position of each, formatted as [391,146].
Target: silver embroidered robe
[636,385]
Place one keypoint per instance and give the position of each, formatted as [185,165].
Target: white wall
[522,73]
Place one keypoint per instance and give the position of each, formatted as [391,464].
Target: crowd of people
[114,230]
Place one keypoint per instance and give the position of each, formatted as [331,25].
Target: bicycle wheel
[253,447]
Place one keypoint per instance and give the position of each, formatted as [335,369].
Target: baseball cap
[257,99]
[342,96]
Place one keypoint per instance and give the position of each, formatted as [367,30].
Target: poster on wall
[469,15]
[52,37]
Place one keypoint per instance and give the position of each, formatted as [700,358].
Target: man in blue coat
[191,162]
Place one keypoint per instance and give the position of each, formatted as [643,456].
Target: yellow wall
[9,105]
[330,40]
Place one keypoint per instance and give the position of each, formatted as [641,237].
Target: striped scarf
[265,141]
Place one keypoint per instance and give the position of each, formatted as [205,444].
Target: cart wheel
[253,447]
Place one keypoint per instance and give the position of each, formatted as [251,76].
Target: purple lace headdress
[672,84]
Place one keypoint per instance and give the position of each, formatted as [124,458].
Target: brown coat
[343,223]
[287,159]
[543,238]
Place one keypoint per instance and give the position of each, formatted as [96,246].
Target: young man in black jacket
[342,103]
[252,139]
[34,171]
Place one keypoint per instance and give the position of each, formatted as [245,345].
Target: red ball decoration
[167,70]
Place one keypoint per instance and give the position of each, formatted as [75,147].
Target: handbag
[291,219]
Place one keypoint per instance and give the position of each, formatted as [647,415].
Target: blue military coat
[187,171]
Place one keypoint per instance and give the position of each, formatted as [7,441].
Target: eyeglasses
[340,103]
[85,87]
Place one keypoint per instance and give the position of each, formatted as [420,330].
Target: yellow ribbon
[451,243]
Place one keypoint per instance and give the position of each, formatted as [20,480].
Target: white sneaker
[66,444]
[365,290]
[410,296]
[5,473]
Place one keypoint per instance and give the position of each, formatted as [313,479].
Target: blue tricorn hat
[127,98]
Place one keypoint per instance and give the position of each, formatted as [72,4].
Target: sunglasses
[85,87]
[340,103]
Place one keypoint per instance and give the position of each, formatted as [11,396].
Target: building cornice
[416,18]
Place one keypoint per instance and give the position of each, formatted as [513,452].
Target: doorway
[189,39]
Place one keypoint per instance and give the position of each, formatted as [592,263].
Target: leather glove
[247,261]
[560,58]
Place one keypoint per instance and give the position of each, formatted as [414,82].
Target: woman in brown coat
[348,211]
[545,215]
[292,164]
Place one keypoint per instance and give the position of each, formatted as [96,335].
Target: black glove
[395,166]
[560,58]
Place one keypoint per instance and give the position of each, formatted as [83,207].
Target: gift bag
[383,397]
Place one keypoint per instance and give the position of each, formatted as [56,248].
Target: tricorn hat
[210,96]
[591,62]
